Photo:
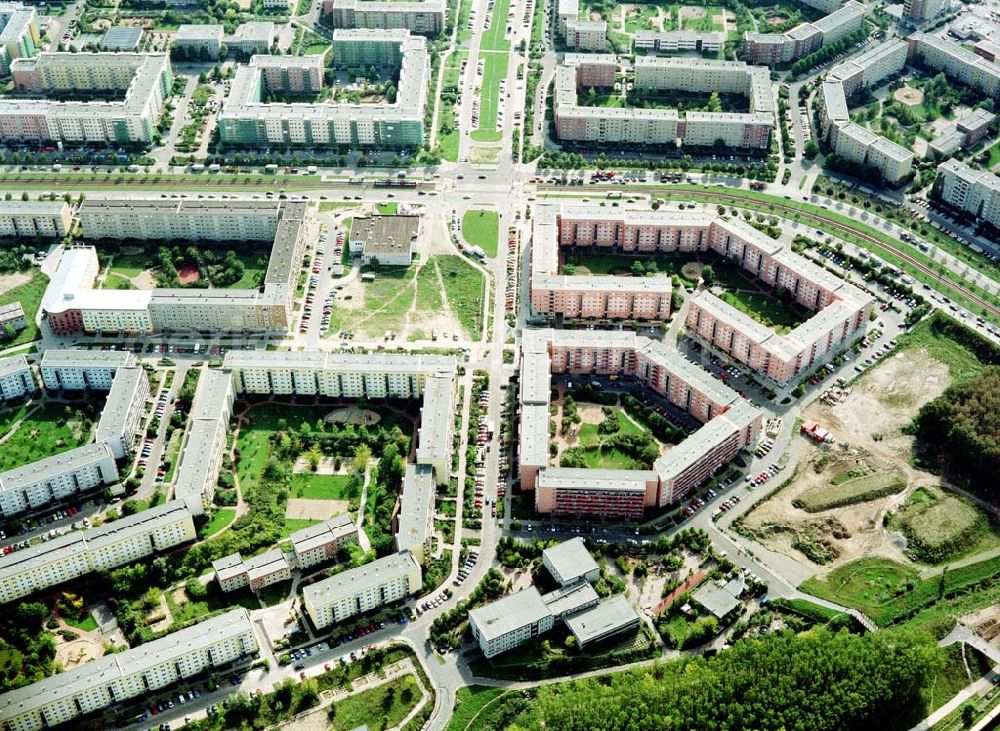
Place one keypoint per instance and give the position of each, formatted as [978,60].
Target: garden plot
[875,463]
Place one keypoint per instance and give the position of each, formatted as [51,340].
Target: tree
[708,275]
[362,456]
[968,714]
[811,150]
[313,457]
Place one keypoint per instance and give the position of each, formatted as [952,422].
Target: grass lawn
[387,209]
[322,487]
[868,584]
[275,593]
[765,309]
[220,519]
[608,459]
[131,265]
[482,229]
[47,432]
[214,603]
[941,526]
[493,39]
[449,145]
[172,451]
[377,709]
[465,288]
[255,262]
[255,435]
[600,263]
[87,624]
[953,676]
[589,436]
[469,703]
[385,304]
[29,295]
[9,417]
[494,71]
[116,281]
[293,524]
[994,156]
[328,206]
[962,363]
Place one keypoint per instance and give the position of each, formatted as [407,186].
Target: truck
[817,433]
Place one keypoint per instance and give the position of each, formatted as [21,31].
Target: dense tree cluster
[27,651]
[962,426]
[816,681]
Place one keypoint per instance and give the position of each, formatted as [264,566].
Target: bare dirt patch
[77,652]
[692,270]
[777,19]
[15,279]
[145,280]
[908,96]
[869,421]
[352,415]
[303,509]
[188,273]
[690,12]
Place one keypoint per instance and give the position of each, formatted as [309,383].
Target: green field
[9,417]
[482,229]
[494,71]
[214,603]
[465,287]
[753,298]
[311,486]
[87,624]
[220,519]
[255,435]
[469,703]
[387,209]
[961,361]
[377,709]
[589,262]
[131,265]
[493,39]
[869,584]
[52,429]
[29,295]
[850,492]
[940,526]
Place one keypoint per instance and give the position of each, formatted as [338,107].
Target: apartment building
[958,63]
[12,317]
[510,621]
[247,121]
[71,304]
[203,450]
[251,38]
[233,572]
[728,425]
[973,191]
[587,35]
[35,219]
[356,591]
[19,36]
[423,18]
[679,41]
[922,9]
[59,477]
[83,370]
[16,378]
[575,122]
[199,41]
[777,48]
[849,140]
[346,375]
[123,411]
[143,80]
[413,516]
[79,553]
[320,543]
[88,688]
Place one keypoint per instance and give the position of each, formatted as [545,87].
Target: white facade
[35,219]
[16,378]
[973,191]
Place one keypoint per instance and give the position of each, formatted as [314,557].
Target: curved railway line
[778,206]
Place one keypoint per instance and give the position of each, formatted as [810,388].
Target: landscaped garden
[52,429]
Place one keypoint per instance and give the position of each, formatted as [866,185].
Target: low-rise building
[233,572]
[35,219]
[610,618]
[12,318]
[362,589]
[16,378]
[199,41]
[510,621]
[679,41]
[570,562]
[122,38]
[320,543]
[384,240]
[720,598]
[569,599]
[109,546]
[90,687]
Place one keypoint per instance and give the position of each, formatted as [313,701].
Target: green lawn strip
[387,209]
[449,146]
[465,288]
[494,71]
[87,624]
[889,592]
[482,229]
[994,156]
[469,702]
[162,181]
[171,454]
[377,709]
[310,486]
[464,33]
[220,519]
[51,430]
[741,197]
[29,295]
[494,39]
[328,206]
[132,265]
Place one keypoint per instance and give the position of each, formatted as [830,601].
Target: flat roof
[199,452]
[265,564]
[416,507]
[713,433]
[315,536]
[609,617]
[125,391]
[54,466]
[595,479]
[125,37]
[54,358]
[338,362]
[192,32]
[212,395]
[13,364]
[229,567]
[509,613]
[98,673]
[569,599]
[716,599]
[436,417]
[570,559]
[385,234]
[356,581]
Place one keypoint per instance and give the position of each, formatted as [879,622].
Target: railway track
[778,206]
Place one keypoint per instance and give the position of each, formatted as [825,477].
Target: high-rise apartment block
[976,192]
[35,219]
[19,37]
[778,48]
[416,16]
